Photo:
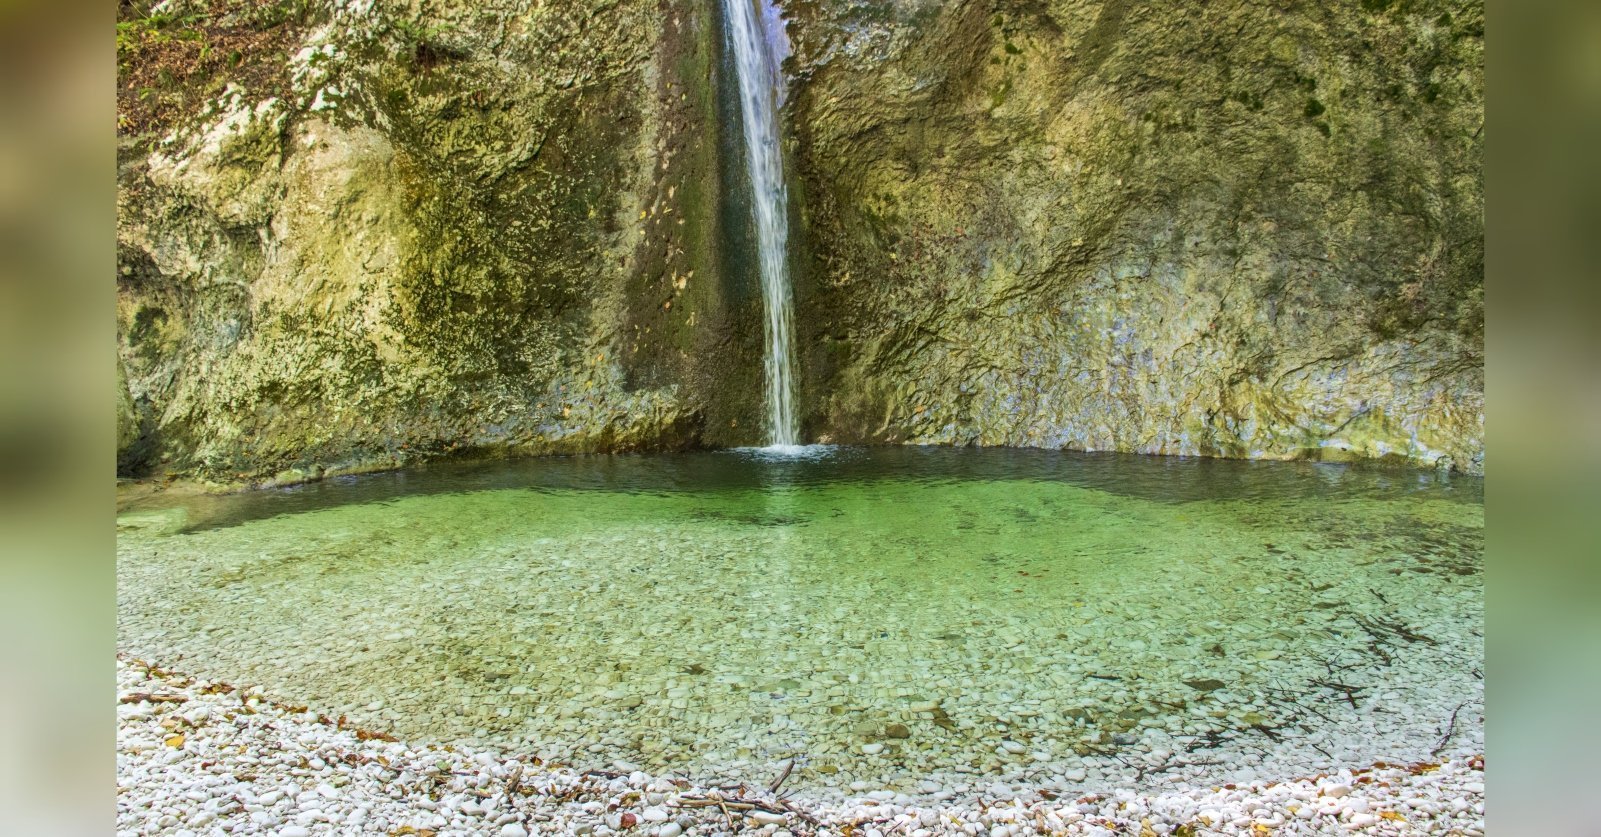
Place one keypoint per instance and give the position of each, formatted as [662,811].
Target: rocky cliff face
[466,226]
[359,233]
[1237,229]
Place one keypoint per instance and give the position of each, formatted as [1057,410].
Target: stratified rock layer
[1240,230]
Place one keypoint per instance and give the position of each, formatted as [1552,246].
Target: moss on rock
[1238,229]
[1234,230]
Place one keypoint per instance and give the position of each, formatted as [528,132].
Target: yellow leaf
[1391,815]
[175,741]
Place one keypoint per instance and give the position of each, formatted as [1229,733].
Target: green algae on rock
[440,242]
[504,227]
[1102,225]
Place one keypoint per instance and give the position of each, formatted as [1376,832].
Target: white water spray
[760,94]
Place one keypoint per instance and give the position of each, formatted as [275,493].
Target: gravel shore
[198,758]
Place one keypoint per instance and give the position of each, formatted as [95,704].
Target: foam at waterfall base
[790,451]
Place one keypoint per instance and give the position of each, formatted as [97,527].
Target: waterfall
[756,61]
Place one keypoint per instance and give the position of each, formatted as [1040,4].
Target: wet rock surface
[1242,231]
[483,229]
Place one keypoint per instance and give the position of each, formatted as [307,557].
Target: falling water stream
[760,95]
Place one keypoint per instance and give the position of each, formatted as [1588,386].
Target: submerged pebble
[890,633]
[240,770]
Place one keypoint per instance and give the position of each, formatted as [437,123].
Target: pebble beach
[198,758]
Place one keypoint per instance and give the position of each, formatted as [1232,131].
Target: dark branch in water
[1213,738]
[1270,732]
[1283,697]
[1387,628]
[1350,692]
[1450,730]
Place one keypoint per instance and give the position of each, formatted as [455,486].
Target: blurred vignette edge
[57,445]
[58,182]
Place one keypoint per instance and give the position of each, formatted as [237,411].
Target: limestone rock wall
[420,228]
[463,227]
[1239,228]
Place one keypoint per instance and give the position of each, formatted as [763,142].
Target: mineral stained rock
[1237,229]
[354,234]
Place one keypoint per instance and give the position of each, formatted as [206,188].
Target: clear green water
[892,617]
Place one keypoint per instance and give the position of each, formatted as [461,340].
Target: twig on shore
[513,780]
[738,803]
[136,697]
[707,802]
[773,788]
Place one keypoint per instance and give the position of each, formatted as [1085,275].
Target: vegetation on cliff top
[171,62]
